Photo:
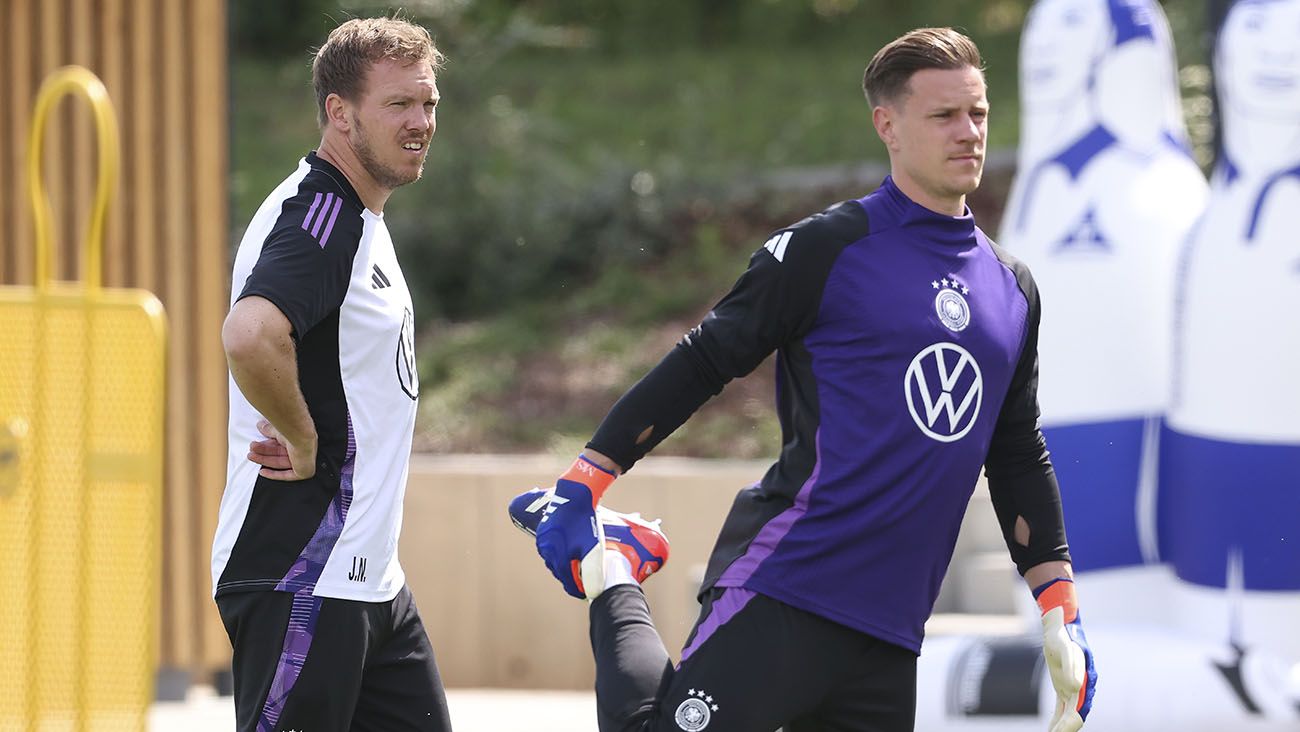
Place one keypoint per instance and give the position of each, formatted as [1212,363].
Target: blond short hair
[887,76]
[341,64]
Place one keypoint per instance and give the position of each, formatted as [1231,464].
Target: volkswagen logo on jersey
[407,375]
[944,391]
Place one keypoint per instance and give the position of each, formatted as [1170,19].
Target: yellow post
[81,422]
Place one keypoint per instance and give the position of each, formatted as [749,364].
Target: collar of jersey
[326,167]
[909,213]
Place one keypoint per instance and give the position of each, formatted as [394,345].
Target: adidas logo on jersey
[320,218]
[777,244]
[379,280]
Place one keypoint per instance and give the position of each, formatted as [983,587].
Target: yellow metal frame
[90,298]
[73,80]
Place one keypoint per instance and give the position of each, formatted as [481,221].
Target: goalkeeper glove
[1069,659]
[570,538]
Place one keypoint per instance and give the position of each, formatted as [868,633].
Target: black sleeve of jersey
[305,280]
[1022,482]
[774,302]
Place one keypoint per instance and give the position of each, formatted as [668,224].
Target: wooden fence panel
[164,64]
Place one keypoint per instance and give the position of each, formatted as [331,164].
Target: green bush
[572,136]
[600,174]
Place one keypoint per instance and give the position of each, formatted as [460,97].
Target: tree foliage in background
[571,134]
[600,173]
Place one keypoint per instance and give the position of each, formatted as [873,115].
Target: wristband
[591,475]
[1058,593]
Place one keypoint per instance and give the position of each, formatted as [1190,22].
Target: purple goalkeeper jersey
[906,344]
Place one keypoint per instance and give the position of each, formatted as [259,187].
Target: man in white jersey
[322,406]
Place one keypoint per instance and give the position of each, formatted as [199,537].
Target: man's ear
[882,118]
[336,113]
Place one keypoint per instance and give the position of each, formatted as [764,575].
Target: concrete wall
[496,616]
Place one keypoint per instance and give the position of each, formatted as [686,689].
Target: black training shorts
[754,663]
[330,665]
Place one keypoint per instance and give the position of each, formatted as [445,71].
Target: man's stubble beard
[385,176]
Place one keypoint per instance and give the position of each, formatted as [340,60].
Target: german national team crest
[407,374]
[694,714]
[950,304]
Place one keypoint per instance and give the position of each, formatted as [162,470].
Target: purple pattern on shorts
[297,641]
[725,608]
[774,531]
[306,570]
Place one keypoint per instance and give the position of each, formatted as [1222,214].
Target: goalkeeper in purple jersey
[906,349]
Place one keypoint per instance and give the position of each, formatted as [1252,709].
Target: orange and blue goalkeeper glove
[1069,659]
[570,538]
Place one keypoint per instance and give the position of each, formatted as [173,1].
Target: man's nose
[968,129]
[420,121]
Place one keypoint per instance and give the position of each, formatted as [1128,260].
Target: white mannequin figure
[1104,196]
[1230,482]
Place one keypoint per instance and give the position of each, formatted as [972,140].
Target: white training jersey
[327,262]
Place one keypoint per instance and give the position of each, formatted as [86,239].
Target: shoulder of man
[1024,277]
[820,236]
[323,211]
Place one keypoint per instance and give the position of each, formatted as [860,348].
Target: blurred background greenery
[601,172]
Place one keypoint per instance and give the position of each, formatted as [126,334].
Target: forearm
[602,460]
[1040,574]
[264,364]
[1026,498]
[1028,507]
[656,405]
[270,383]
